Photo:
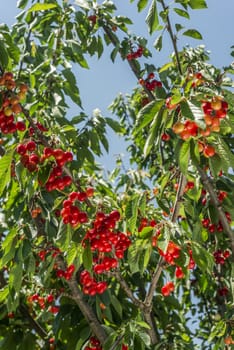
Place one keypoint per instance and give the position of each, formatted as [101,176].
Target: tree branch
[130,62]
[126,288]
[173,37]
[86,310]
[34,324]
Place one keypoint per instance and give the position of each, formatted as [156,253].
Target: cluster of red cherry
[103,239]
[135,54]
[94,344]
[167,289]
[172,253]
[214,111]
[11,104]
[42,253]
[150,82]
[90,285]
[217,107]
[43,302]
[221,195]
[213,227]
[71,213]
[67,274]
[220,256]
[30,159]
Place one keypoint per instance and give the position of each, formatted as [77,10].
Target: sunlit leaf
[193,33]
[141,5]
[41,7]
[152,17]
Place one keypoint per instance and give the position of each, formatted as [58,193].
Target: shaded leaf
[3,56]
[5,170]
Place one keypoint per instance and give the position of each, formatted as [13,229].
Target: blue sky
[104,80]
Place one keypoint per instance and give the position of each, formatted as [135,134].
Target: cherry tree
[141,258]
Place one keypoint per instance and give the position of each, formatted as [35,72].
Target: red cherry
[53,309]
[165,137]
[101,287]
[21,149]
[31,146]
[208,151]
[179,272]
[20,126]
[48,152]
[167,288]
[50,298]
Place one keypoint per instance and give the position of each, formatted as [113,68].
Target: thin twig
[173,37]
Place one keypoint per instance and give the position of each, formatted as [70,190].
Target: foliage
[142,259]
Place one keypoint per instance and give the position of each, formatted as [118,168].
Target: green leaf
[154,132]
[115,125]
[216,164]
[197,4]
[3,56]
[22,3]
[15,279]
[141,5]
[117,305]
[218,330]
[144,337]
[3,294]
[178,27]
[43,174]
[72,253]
[193,33]
[99,46]
[5,170]
[183,155]
[166,67]
[146,232]
[202,257]
[83,3]
[42,7]
[163,240]
[158,43]
[146,115]
[131,213]
[224,154]
[87,257]
[152,17]
[182,13]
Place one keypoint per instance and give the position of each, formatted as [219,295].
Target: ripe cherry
[209,151]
